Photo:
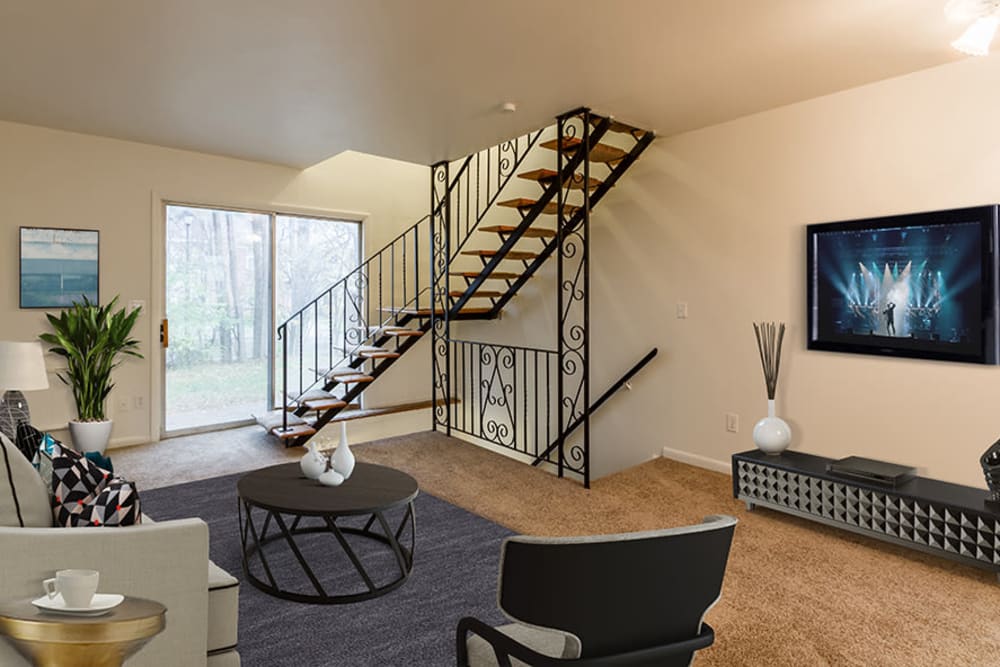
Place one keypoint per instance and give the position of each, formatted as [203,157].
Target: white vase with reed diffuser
[772,435]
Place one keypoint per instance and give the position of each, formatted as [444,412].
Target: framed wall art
[58,266]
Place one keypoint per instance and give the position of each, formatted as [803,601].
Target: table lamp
[22,368]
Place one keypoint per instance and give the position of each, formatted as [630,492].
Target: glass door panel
[312,254]
[218,305]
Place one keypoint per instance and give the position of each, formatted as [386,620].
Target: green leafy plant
[93,339]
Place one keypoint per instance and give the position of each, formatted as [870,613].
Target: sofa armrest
[166,562]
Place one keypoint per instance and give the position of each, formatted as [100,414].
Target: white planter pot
[772,435]
[90,436]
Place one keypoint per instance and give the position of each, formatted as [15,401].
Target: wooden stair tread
[426,312]
[293,431]
[513,254]
[325,404]
[489,294]
[550,208]
[496,275]
[354,379]
[598,152]
[395,332]
[545,176]
[529,233]
[384,354]
[373,352]
[333,373]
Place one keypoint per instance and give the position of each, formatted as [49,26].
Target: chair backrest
[618,593]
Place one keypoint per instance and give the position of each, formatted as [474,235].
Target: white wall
[62,179]
[716,218]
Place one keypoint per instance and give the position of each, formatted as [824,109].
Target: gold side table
[61,640]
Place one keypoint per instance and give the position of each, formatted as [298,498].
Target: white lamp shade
[975,41]
[22,366]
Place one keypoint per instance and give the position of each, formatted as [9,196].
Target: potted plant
[93,339]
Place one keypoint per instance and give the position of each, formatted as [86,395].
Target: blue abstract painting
[58,266]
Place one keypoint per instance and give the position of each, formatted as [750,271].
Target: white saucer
[101,604]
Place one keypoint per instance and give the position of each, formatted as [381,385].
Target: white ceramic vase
[343,459]
[772,435]
[90,436]
[331,478]
[313,463]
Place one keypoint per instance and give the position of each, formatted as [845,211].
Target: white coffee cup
[77,587]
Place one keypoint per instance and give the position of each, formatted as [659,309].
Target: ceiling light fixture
[985,17]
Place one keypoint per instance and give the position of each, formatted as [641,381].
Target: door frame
[157,304]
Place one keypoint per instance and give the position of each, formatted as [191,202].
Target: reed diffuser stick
[769,338]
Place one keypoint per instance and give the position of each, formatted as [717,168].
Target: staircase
[337,345]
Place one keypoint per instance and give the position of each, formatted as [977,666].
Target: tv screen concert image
[905,287]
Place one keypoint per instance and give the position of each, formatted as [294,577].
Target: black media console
[944,519]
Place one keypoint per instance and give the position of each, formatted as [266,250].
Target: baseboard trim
[698,460]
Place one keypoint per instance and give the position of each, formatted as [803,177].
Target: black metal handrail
[327,331]
[611,391]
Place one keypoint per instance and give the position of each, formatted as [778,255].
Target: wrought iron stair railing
[385,299]
[334,347]
[495,405]
[334,330]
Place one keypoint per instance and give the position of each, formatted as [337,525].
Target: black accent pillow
[28,440]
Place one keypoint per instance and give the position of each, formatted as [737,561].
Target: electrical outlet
[732,422]
[139,402]
[123,404]
[682,310]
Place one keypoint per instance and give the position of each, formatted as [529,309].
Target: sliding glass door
[229,276]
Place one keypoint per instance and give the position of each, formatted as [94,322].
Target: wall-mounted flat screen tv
[918,285]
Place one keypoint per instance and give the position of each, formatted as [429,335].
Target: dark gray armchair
[608,600]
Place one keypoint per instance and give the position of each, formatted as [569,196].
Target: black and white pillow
[84,494]
[29,439]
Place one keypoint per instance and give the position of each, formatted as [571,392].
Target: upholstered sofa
[164,561]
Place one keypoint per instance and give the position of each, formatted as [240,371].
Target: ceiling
[298,81]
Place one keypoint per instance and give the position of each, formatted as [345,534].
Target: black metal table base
[253,541]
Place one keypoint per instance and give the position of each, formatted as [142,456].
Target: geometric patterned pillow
[87,495]
[28,440]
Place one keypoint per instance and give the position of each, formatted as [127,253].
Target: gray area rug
[455,569]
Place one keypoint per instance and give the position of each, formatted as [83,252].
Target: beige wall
[61,179]
[716,218]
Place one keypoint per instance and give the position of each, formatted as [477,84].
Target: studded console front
[946,519]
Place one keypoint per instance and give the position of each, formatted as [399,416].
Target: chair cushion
[552,643]
[24,498]
[223,608]
[224,659]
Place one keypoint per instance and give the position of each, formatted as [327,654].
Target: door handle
[164,333]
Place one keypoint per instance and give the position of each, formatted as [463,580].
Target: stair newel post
[284,377]
[416,265]
[440,301]
[585,258]
[560,240]
[573,276]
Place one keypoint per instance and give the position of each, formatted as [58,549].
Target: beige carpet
[796,593]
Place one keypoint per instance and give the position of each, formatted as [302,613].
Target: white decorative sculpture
[343,459]
[313,463]
[331,478]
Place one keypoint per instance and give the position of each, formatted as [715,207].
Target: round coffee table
[281,501]
[61,640]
